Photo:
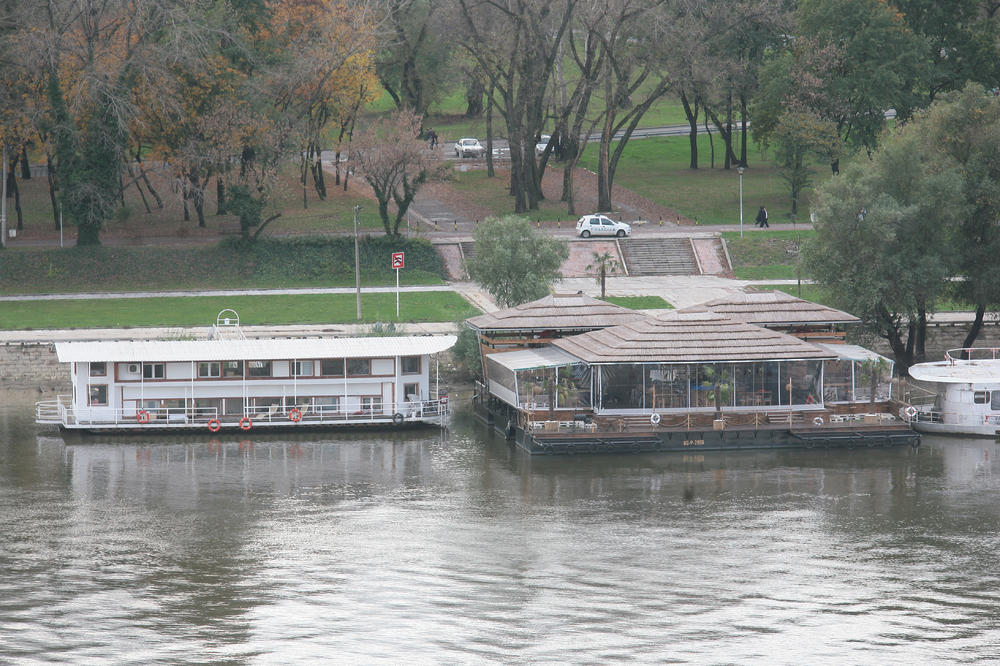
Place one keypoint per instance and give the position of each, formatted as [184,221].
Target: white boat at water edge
[966,393]
[235,383]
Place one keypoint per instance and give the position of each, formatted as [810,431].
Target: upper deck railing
[964,355]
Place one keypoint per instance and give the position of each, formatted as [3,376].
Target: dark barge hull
[732,438]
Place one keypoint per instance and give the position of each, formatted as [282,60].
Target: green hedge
[269,263]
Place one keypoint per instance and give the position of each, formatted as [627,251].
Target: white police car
[601,225]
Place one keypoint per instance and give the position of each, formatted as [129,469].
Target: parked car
[543,142]
[601,225]
[469,148]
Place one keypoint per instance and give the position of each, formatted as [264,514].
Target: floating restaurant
[235,383]
[581,375]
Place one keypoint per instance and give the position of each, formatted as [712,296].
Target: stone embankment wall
[32,366]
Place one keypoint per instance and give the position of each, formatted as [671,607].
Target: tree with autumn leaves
[219,90]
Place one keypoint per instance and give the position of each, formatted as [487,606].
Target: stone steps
[659,256]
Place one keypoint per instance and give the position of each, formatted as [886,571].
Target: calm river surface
[430,547]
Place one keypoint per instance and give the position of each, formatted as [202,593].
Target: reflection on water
[426,546]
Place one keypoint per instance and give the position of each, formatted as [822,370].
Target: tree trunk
[490,171]
[691,112]
[220,196]
[25,167]
[474,98]
[145,180]
[198,198]
[50,175]
[975,327]
[13,191]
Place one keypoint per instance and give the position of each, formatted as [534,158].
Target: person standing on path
[761,219]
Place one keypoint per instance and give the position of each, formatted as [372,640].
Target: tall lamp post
[357,261]
[739,170]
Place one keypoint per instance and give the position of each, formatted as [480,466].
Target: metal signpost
[397,263]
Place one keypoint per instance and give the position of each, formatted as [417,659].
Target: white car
[543,142]
[601,225]
[469,148]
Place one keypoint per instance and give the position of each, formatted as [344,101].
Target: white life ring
[654,418]
[911,411]
[818,421]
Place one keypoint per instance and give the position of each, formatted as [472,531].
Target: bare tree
[395,162]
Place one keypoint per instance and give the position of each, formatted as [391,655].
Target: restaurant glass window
[838,381]
[666,386]
[805,381]
[622,386]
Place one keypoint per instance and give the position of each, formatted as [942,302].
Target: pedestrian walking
[761,219]
[434,138]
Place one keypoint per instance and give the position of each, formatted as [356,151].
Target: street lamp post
[357,261]
[739,170]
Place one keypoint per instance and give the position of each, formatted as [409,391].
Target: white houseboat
[232,382]
[966,393]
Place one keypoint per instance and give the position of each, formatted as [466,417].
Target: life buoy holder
[142,416]
[818,421]
[911,411]
[398,418]
[246,423]
[214,425]
[295,414]
[654,418]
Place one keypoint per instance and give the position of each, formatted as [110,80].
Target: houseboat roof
[260,349]
[529,359]
[557,312]
[776,308]
[986,371]
[692,335]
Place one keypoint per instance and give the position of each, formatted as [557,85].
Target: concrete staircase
[659,256]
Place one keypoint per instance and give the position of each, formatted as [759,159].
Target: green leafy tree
[514,263]
[797,137]
[882,239]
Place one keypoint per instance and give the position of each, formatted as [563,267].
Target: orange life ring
[142,416]
[295,414]
[214,425]
[246,423]
[809,399]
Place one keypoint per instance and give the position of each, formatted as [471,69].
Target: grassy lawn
[493,193]
[640,302]
[766,255]
[433,306]
[657,168]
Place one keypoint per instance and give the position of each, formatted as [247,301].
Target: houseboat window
[327,404]
[258,368]
[303,368]
[99,369]
[411,392]
[208,369]
[153,370]
[331,367]
[359,367]
[994,399]
[207,408]
[411,365]
[981,397]
[232,369]
[97,394]
[371,403]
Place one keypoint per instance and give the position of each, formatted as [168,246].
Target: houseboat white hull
[966,394]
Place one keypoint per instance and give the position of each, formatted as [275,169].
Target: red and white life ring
[142,416]
[214,425]
[295,414]
[246,423]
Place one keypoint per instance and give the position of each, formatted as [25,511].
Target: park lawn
[657,168]
[334,214]
[494,194]
[640,302]
[766,254]
[432,306]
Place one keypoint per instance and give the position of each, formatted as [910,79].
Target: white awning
[528,359]
[853,353]
[261,349]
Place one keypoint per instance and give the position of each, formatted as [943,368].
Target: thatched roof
[774,308]
[557,312]
[692,335]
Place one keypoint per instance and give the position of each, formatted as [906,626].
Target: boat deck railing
[964,355]
[61,412]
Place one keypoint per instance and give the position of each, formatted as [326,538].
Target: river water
[430,546]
